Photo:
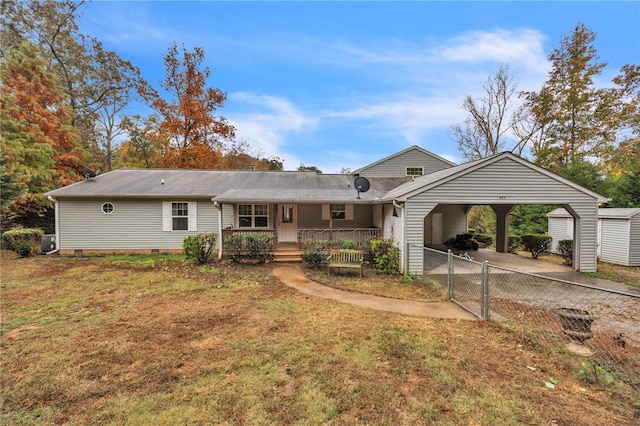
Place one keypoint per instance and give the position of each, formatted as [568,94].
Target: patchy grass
[100,340]
[629,275]
[380,284]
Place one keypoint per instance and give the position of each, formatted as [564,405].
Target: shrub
[315,253]
[385,254]
[536,244]
[24,242]
[198,247]
[513,243]
[256,247]
[484,238]
[347,244]
[565,249]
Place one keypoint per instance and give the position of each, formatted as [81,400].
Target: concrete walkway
[292,276]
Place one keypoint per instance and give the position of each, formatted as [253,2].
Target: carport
[440,201]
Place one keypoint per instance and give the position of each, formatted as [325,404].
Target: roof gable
[395,164]
[424,183]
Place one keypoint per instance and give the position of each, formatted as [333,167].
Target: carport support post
[502,226]
[450,273]
[485,290]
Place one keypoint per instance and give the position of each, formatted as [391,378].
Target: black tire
[475,246]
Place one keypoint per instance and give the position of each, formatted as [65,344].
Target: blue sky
[343,84]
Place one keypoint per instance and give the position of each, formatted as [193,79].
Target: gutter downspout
[403,248]
[219,207]
[57,225]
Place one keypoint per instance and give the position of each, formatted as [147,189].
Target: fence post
[450,273]
[485,290]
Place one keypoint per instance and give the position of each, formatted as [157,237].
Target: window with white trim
[107,208]
[179,216]
[415,171]
[253,215]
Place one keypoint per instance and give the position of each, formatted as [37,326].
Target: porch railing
[359,235]
[228,231]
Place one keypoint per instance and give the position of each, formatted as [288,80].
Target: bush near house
[25,242]
[254,247]
[199,247]
[315,253]
[347,244]
[385,255]
[536,244]
[484,238]
[514,243]
[565,249]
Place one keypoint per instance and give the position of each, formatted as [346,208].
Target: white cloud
[266,121]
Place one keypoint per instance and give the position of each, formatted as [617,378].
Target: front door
[287,223]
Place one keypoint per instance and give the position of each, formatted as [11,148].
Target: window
[338,211]
[180,216]
[107,208]
[253,215]
[414,171]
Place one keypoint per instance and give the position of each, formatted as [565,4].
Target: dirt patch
[16,332]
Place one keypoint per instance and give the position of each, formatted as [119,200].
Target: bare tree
[489,127]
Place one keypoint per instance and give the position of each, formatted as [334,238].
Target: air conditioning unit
[48,243]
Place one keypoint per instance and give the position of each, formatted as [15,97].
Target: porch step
[287,256]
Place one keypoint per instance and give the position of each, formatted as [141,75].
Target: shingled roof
[227,186]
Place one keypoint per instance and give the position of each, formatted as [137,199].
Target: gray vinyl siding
[634,241]
[397,166]
[310,217]
[505,182]
[614,246]
[135,224]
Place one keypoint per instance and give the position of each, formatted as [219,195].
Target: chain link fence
[602,324]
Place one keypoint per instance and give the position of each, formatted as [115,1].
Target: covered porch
[291,251]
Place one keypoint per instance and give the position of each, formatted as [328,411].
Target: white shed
[618,234]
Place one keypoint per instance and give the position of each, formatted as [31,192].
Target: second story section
[413,161]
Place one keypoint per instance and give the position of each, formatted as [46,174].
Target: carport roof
[422,183]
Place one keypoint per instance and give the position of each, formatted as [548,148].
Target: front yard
[152,340]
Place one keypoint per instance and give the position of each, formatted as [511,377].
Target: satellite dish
[88,173]
[361,184]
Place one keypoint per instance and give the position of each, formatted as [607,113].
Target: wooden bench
[345,259]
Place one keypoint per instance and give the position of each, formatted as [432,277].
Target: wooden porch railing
[228,231]
[359,235]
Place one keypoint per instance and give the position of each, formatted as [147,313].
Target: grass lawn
[149,340]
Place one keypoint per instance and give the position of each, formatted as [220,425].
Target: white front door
[287,223]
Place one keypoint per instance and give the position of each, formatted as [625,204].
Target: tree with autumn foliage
[40,147]
[192,135]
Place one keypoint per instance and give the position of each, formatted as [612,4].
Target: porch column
[218,207]
[502,226]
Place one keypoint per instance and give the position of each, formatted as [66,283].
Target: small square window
[338,211]
[107,208]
